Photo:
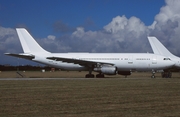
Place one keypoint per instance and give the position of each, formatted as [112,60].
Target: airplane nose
[168,63]
[177,65]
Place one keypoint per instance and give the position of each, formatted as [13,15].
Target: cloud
[170,11]
[8,40]
[166,25]
[122,34]
[9,43]
[51,37]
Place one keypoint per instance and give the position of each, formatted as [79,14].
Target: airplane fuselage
[123,62]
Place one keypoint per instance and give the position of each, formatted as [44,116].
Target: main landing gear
[166,74]
[100,75]
[90,75]
[163,74]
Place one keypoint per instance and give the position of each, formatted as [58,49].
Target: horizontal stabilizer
[23,55]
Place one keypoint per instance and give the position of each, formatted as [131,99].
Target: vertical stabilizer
[158,47]
[28,43]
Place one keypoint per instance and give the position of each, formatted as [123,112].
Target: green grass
[109,97]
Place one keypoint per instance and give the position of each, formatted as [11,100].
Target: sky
[118,26]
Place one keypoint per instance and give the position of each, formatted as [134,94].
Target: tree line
[24,68]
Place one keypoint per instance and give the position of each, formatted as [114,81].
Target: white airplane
[160,49]
[103,63]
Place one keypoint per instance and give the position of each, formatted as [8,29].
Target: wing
[79,61]
[23,55]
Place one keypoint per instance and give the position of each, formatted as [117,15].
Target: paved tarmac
[47,78]
[3,79]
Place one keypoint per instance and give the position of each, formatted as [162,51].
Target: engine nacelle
[125,73]
[108,70]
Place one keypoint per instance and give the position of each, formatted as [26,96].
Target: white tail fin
[158,47]
[28,43]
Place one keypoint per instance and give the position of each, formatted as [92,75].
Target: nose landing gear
[153,74]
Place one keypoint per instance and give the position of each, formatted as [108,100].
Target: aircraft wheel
[100,76]
[89,76]
[153,76]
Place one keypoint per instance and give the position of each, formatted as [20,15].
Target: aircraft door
[130,60]
[154,60]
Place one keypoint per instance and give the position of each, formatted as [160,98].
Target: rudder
[159,48]
[28,43]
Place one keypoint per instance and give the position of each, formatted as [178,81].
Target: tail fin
[158,47]
[28,43]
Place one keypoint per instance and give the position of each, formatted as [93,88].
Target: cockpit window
[167,59]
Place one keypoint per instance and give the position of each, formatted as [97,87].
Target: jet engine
[108,70]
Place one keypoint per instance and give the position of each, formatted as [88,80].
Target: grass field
[109,97]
